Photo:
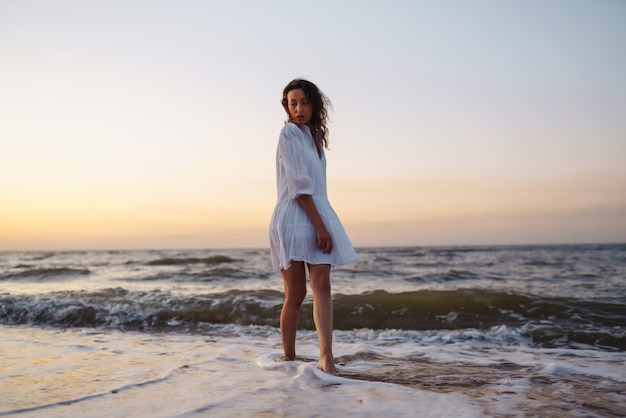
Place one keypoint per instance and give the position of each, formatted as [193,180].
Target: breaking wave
[546,321]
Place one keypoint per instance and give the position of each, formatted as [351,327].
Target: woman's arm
[324,240]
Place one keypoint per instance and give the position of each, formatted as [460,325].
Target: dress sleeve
[292,142]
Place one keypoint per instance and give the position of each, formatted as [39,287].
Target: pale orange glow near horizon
[457,124]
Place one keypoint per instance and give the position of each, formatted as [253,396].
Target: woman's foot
[327,365]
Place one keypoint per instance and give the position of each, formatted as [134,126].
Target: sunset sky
[153,124]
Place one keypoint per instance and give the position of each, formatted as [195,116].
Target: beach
[420,331]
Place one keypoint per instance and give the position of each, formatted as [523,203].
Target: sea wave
[42,274]
[217,274]
[176,261]
[547,321]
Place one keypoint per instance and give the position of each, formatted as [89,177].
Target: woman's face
[300,108]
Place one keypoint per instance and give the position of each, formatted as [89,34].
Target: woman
[305,232]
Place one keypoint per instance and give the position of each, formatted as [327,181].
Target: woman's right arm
[299,183]
[324,240]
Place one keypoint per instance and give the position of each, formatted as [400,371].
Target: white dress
[300,171]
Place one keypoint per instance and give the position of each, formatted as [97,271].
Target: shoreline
[87,372]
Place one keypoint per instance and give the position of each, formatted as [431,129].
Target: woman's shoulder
[292,130]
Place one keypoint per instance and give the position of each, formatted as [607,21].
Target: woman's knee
[320,279]
[294,280]
[295,296]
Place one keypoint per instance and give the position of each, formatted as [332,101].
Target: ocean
[419,331]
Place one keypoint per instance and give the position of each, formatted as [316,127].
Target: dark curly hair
[320,104]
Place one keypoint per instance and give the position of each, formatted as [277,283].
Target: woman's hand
[324,240]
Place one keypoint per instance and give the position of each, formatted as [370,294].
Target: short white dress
[301,171]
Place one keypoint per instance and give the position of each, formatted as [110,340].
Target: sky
[153,124]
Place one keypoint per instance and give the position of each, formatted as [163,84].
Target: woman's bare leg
[323,314]
[294,280]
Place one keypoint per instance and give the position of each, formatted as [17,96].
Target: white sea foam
[311,391]
[87,373]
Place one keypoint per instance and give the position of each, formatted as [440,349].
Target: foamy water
[502,331]
[59,373]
